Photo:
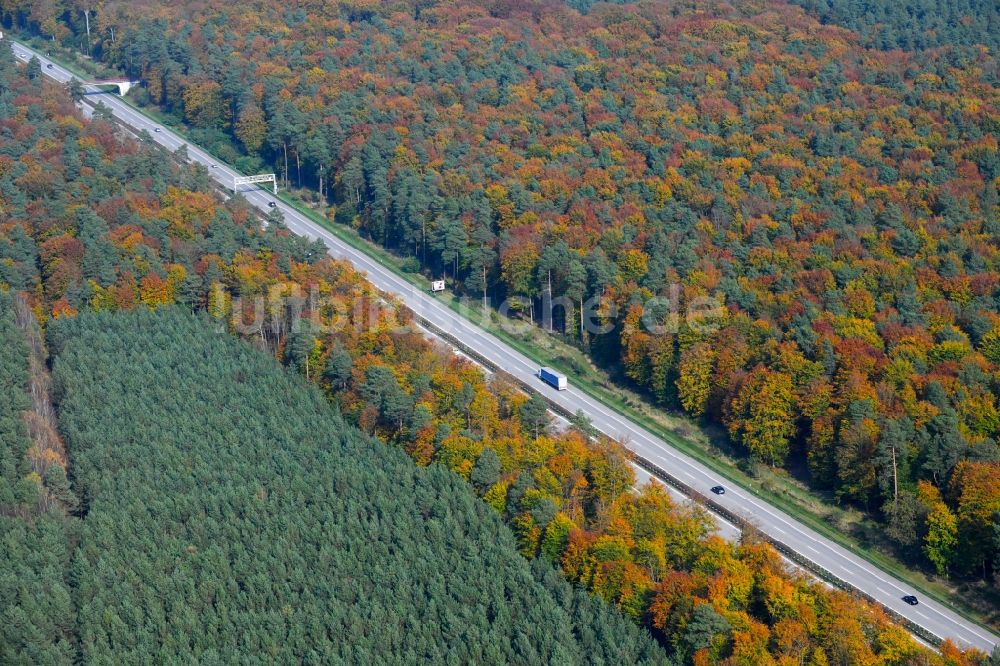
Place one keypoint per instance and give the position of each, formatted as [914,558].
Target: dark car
[719,490]
[910,599]
[271,204]
[49,66]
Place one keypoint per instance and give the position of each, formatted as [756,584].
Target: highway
[850,568]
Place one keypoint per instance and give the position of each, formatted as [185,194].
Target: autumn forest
[840,202]
[828,176]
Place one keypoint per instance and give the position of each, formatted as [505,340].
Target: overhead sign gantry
[240,181]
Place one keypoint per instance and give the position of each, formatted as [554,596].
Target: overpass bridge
[90,87]
[123,85]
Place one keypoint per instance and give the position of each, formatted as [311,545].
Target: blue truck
[554,379]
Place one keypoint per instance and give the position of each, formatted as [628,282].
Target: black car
[49,66]
[910,599]
[719,490]
[271,204]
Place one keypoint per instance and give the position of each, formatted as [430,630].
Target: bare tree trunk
[550,300]
[895,486]
[86,16]
[284,147]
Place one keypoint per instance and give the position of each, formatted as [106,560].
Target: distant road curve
[851,569]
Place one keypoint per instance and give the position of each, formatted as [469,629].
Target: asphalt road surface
[845,565]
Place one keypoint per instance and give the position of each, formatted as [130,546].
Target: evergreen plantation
[37,618]
[229,515]
[13,440]
[36,612]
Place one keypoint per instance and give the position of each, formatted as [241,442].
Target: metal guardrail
[663,475]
